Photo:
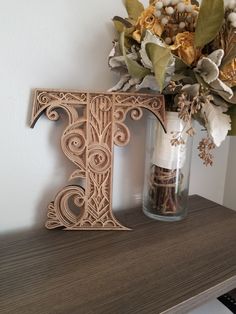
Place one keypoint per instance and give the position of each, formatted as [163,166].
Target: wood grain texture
[156,268]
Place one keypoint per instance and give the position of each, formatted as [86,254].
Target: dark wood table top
[156,268]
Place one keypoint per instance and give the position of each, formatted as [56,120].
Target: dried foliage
[205,147]
[186,50]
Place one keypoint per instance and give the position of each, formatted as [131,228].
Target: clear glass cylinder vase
[167,169]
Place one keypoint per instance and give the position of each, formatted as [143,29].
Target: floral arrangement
[186,51]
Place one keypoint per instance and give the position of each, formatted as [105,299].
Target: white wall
[209,181]
[62,44]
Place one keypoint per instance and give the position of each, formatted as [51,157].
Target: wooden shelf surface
[156,268]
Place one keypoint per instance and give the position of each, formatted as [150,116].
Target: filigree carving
[74,143]
[96,121]
[60,213]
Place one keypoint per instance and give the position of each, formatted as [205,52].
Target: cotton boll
[233,24]
[158,14]
[164,20]
[159,5]
[166,2]
[230,4]
[170,10]
[174,2]
[168,40]
[182,25]
[181,7]
[232,17]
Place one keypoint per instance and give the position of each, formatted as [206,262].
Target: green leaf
[180,65]
[183,72]
[178,77]
[160,57]
[134,8]
[232,113]
[201,81]
[209,22]
[231,100]
[120,24]
[134,68]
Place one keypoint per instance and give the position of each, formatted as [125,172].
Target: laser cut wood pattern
[96,121]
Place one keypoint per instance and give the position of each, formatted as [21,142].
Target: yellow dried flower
[184,46]
[147,20]
[228,73]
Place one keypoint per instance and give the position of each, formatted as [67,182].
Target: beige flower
[147,21]
[184,46]
[228,73]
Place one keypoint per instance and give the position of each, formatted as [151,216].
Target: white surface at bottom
[211,307]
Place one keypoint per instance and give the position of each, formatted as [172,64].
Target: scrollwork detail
[53,115]
[156,104]
[120,114]
[136,113]
[99,158]
[105,104]
[44,98]
[73,143]
[61,214]
[121,134]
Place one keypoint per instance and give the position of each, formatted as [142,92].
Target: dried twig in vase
[164,197]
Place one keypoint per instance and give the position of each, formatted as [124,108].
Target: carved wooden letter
[96,123]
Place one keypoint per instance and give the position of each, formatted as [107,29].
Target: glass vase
[167,169]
